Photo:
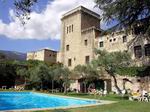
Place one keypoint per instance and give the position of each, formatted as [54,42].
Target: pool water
[31,100]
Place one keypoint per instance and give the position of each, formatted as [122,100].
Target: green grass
[123,105]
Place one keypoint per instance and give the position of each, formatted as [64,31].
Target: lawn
[123,105]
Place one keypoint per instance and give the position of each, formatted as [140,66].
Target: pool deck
[99,102]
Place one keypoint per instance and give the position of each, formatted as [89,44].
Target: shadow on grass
[60,110]
[120,98]
[78,94]
[56,110]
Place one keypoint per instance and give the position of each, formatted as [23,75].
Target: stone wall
[50,56]
[134,83]
[88,21]
[114,42]
[38,55]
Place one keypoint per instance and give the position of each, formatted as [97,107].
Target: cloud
[43,25]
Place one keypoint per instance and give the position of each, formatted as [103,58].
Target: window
[138,51]
[67,47]
[85,42]
[67,30]
[110,40]
[101,44]
[72,27]
[126,51]
[87,59]
[138,80]
[69,62]
[49,55]
[114,39]
[147,49]
[112,34]
[124,38]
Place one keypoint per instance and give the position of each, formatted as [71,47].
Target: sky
[42,30]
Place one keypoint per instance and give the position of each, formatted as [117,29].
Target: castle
[81,34]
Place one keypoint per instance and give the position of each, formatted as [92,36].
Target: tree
[23,73]
[65,76]
[2,56]
[39,74]
[110,62]
[23,9]
[7,73]
[81,72]
[55,74]
[59,73]
[86,72]
[126,12]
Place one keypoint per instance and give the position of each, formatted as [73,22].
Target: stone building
[81,33]
[138,47]
[79,36]
[46,55]
[80,29]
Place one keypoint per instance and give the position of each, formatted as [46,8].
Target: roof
[81,8]
[92,28]
[43,49]
[48,49]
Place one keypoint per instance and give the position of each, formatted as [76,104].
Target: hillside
[13,55]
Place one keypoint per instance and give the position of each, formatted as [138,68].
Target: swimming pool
[31,100]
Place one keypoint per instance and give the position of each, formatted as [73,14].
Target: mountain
[13,55]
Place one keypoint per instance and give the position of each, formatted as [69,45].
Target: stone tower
[79,31]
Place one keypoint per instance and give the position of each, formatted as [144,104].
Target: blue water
[30,100]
